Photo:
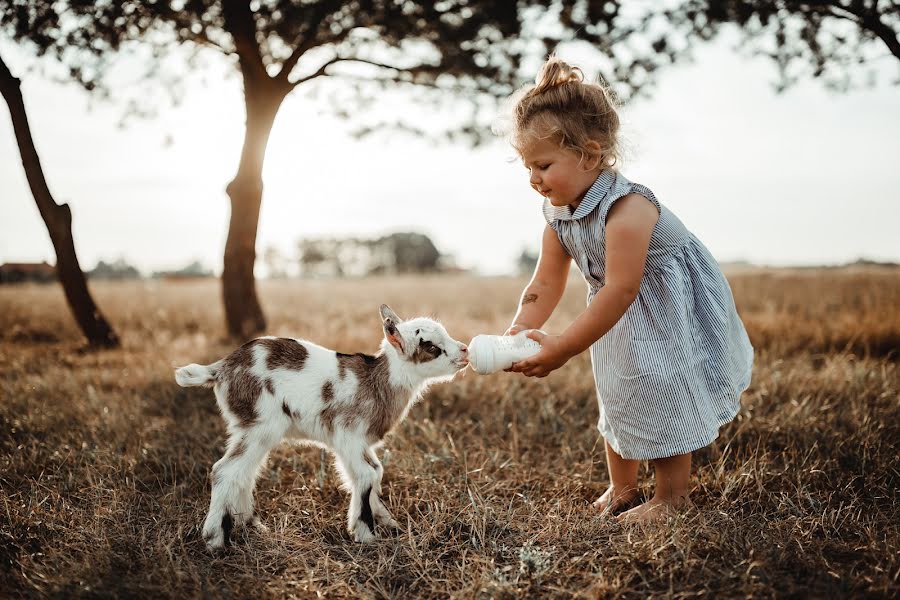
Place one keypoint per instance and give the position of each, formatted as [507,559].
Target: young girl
[669,353]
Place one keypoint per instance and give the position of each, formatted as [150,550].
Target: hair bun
[556,72]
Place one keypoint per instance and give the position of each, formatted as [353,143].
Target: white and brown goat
[275,388]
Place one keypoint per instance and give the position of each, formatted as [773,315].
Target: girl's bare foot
[653,510]
[613,501]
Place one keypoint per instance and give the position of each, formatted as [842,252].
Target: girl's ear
[593,153]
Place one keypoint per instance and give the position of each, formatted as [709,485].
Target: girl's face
[561,175]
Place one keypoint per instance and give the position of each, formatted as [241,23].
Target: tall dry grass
[104,460]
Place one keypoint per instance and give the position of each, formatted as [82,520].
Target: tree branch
[318,73]
[868,20]
[324,8]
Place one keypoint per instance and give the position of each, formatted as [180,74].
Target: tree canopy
[834,40]
[457,46]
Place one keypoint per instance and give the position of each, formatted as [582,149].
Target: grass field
[104,460]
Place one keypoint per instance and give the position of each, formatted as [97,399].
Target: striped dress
[671,371]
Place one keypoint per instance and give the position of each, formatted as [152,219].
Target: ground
[104,460]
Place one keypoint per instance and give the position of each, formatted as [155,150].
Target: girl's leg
[673,476]
[623,490]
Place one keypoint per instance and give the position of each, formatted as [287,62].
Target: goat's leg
[360,478]
[233,479]
[372,458]
[382,515]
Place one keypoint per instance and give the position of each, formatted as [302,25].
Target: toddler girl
[669,353]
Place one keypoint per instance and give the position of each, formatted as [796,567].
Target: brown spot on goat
[329,411]
[240,358]
[353,362]
[244,391]
[375,401]
[342,360]
[284,353]
[327,417]
[242,388]
[270,387]
[285,409]
[350,416]
[333,411]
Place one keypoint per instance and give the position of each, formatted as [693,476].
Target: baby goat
[272,388]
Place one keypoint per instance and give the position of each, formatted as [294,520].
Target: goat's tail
[193,375]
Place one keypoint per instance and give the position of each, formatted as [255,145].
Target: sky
[804,177]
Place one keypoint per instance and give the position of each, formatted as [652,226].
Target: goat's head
[424,344]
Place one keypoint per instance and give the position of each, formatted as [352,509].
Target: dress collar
[597,192]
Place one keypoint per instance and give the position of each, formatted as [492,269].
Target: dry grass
[105,460]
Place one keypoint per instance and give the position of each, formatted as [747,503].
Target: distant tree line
[120,269]
[401,252]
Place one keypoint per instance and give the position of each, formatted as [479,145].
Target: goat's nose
[464,349]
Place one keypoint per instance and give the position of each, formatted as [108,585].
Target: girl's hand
[514,329]
[550,358]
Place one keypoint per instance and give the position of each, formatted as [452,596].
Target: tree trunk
[243,313]
[58,219]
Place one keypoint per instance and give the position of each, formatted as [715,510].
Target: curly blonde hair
[562,106]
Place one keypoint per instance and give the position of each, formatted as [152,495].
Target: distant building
[20,272]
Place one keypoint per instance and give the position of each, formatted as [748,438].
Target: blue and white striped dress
[671,371]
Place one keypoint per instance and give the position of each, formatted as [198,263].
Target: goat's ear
[389,315]
[389,321]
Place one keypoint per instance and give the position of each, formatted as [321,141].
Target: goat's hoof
[258,525]
[362,534]
[214,538]
[388,522]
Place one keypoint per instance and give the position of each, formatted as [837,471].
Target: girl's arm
[629,226]
[546,287]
